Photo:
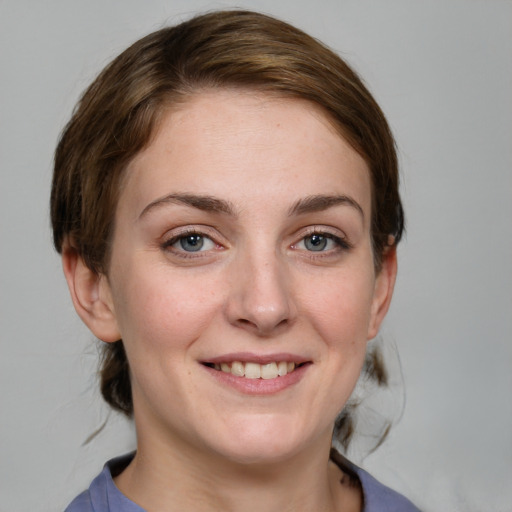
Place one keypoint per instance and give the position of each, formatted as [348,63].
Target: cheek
[162,312]
[340,308]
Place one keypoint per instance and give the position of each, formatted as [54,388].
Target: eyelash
[167,245]
[342,244]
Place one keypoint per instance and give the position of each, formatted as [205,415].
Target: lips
[250,366]
[257,375]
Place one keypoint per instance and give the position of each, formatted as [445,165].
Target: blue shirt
[104,496]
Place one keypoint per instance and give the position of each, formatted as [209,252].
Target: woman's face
[242,278]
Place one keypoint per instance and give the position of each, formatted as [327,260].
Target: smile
[254,370]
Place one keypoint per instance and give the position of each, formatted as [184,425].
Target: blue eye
[318,242]
[190,242]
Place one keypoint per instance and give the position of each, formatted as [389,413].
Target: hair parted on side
[120,111]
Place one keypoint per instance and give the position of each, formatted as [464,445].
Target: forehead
[246,145]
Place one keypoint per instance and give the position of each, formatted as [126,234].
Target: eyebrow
[319,203]
[314,203]
[205,203]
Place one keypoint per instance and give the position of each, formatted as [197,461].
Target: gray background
[442,71]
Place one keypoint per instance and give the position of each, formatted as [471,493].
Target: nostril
[261,328]
[243,322]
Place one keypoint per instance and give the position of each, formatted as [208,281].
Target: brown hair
[118,113]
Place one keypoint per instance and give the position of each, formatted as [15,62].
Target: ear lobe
[91,296]
[383,292]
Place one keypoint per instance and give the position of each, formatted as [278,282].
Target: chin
[263,442]
[258,454]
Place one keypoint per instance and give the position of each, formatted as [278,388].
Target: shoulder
[103,495]
[82,503]
[376,496]
[379,498]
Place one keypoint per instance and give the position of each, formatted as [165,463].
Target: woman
[225,199]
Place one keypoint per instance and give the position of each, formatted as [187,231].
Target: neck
[164,478]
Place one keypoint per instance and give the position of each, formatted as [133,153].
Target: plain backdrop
[442,71]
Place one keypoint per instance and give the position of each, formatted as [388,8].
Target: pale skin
[242,233]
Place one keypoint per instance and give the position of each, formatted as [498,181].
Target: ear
[91,295]
[384,286]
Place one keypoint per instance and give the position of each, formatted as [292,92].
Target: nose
[260,297]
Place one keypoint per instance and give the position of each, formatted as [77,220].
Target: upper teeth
[255,370]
